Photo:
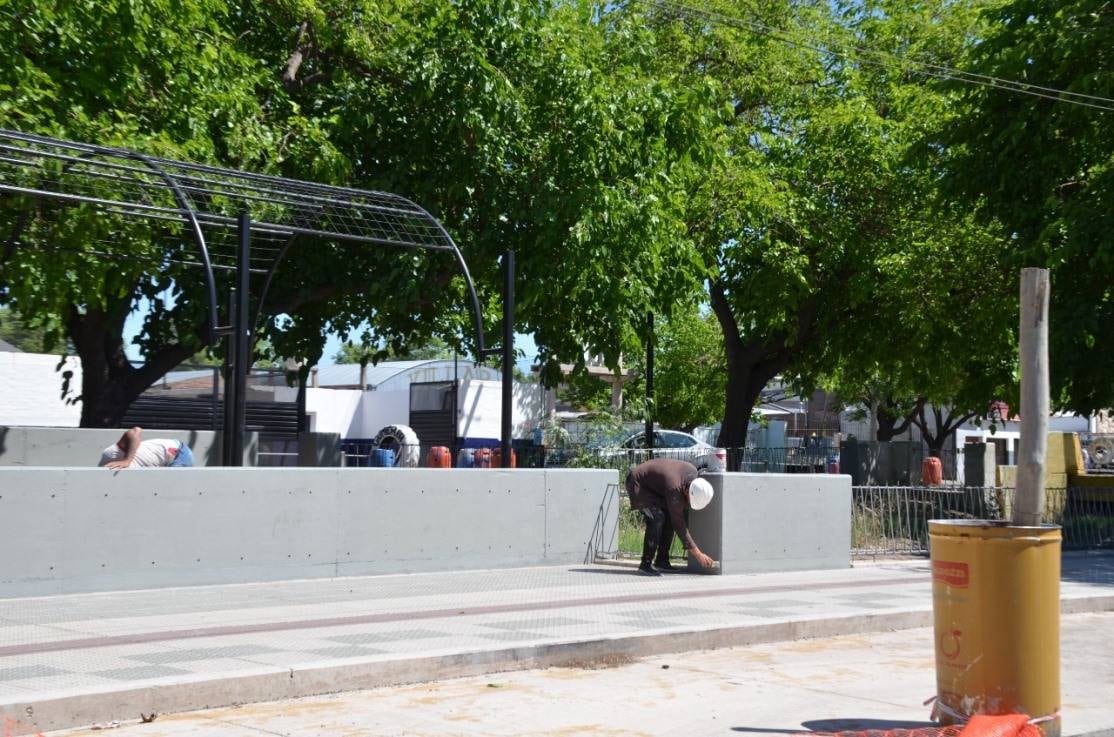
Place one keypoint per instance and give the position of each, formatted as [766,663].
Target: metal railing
[893,520]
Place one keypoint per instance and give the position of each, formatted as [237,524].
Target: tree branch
[722,309]
[294,61]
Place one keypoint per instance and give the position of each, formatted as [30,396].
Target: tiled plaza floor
[61,647]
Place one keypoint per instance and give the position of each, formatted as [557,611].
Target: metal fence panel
[893,520]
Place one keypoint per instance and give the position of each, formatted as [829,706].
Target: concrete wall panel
[776,522]
[33,541]
[77,447]
[577,514]
[70,530]
[403,520]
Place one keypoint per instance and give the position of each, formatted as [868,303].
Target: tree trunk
[887,425]
[744,388]
[109,382]
[890,423]
[945,426]
[751,365]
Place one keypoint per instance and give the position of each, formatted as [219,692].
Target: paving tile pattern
[418,614]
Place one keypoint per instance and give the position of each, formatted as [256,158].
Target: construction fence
[893,520]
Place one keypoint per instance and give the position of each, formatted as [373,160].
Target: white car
[669,444]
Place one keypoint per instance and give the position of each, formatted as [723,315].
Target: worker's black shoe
[647,570]
[664,565]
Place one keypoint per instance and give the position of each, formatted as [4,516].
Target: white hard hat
[700,493]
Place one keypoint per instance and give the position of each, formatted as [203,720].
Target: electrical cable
[887,60]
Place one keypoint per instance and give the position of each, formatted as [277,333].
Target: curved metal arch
[199,237]
[387,225]
[188,213]
[267,282]
[477,315]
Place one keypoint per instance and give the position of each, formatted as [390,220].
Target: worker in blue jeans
[132,451]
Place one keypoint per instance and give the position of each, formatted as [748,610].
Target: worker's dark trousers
[659,536]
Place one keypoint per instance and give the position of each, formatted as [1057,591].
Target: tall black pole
[508,358]
[242,341]
[649,438]
[228,411]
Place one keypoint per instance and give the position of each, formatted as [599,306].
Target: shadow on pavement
[828,726]
[844,725]
[1094,567]
[633,571]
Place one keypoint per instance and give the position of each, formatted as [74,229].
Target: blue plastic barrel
[465,458]
[382,458]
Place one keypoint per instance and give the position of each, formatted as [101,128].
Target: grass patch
[632,531]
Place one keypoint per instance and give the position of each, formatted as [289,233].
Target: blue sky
[522,342]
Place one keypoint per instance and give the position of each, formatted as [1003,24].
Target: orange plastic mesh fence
[980,725]
[949,731]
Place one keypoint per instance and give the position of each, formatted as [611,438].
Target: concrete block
[776,522]
[980,465]
[319,449]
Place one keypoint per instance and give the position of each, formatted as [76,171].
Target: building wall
[31,390]
[334,410]
[73,530]
[481,409]
[380,408]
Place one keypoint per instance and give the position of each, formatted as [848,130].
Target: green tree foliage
[165,77]
[1045,170]
[532,125]
[16,332]
[690,370]
[828,253]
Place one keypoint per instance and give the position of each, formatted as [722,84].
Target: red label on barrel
[952,573]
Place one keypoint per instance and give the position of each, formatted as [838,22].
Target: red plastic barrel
[439,457]
[497,458]
[932,472]
[482,458]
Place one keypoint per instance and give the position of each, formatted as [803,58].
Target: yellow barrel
[996,607]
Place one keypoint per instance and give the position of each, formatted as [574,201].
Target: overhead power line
[885,59]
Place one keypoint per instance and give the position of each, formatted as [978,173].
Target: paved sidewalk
[73,660]
[846,683]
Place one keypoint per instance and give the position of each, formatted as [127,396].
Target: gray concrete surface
[760,522]
[78,530]
[73,446]
[876,681]
[72,660]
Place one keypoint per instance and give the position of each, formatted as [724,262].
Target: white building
[357,403]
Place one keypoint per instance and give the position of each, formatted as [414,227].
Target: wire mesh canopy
[204,203]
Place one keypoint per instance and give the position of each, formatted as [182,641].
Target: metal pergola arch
[273,212]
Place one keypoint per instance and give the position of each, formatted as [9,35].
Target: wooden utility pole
[1034,398]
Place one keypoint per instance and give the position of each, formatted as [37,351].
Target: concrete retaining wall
[74,530]
[776,522]
[72,446]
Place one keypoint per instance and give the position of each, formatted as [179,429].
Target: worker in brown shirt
[661,488]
